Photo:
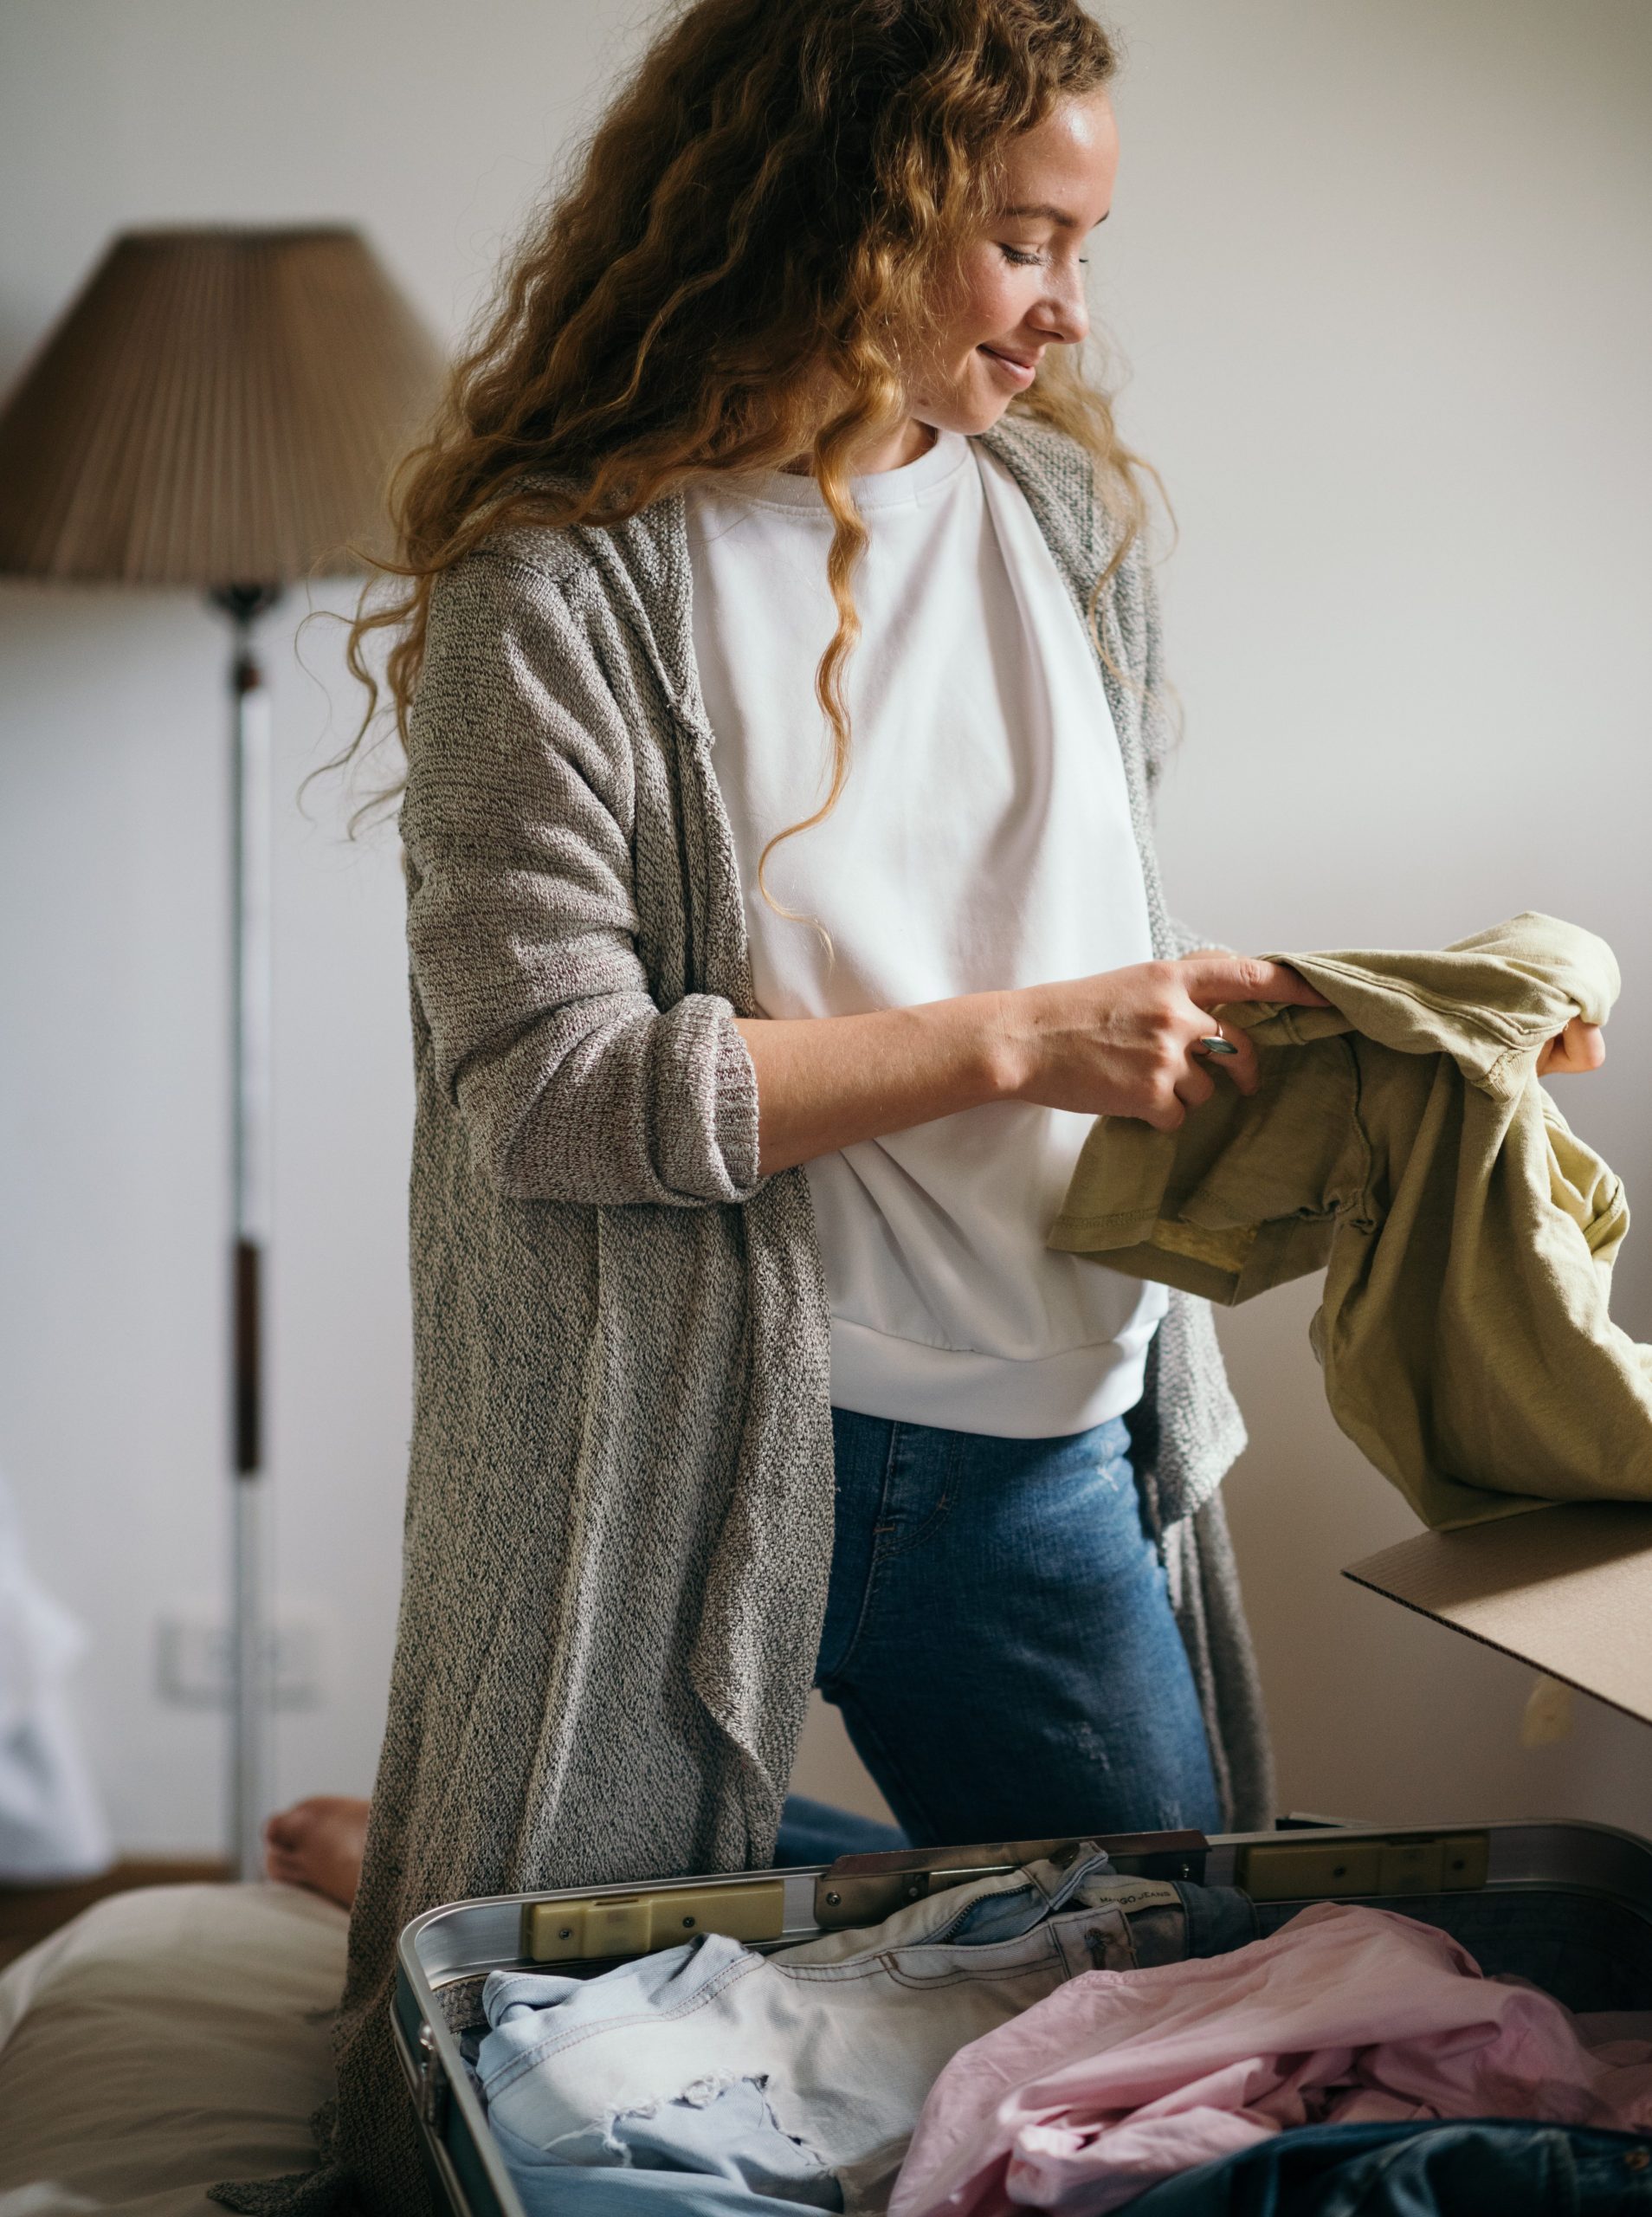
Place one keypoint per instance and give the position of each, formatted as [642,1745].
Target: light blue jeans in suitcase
[999,1639]
[800,2075]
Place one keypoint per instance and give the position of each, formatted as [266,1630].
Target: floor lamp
[222,410]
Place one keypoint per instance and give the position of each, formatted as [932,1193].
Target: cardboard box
[1566,1588]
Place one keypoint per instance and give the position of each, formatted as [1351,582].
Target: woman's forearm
[825,1083]
[1124,1043]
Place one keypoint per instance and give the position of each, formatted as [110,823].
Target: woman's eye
[1023,258]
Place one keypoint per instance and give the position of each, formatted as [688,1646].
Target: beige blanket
[163,2041]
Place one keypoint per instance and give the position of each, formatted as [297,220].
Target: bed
[165,2040]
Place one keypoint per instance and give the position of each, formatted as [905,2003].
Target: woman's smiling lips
[1020,369]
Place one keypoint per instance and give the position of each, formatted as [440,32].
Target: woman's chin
[969,412]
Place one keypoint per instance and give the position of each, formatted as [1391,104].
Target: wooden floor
[29,1913]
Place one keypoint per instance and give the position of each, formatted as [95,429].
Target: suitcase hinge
[433,2082]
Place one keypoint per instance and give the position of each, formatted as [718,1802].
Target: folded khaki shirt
[1400,1140]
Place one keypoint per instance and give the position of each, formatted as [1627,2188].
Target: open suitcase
[1565,1905]
[1568,1906]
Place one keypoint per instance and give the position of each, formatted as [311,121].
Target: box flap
[1567,1589]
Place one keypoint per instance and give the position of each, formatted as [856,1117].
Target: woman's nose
[1064,314]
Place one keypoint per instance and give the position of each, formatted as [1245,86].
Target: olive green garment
[1400,1139]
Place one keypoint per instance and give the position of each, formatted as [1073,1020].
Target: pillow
[165,2039]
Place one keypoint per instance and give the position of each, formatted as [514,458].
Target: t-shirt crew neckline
[880,488]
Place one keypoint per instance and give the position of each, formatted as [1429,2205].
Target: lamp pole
[252,813]
[221,409]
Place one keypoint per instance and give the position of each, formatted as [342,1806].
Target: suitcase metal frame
[443,1955]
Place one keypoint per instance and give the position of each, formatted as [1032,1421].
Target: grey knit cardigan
[619,1516]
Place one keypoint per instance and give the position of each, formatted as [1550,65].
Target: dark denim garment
[815,1831]
[1488,2167]
[1219,1919]
[999,1638]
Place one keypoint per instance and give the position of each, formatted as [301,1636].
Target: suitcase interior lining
[1586,1949]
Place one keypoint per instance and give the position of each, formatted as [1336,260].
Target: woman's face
[1022,281]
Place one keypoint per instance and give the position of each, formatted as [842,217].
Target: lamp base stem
[250,1109]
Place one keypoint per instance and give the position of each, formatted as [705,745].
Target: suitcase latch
[432,2095]
[1301,1868]
[602,1927]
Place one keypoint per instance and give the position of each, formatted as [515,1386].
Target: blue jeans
[998,1638]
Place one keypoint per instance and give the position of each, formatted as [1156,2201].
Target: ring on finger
[1215,1043]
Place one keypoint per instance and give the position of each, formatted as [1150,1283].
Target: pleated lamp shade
[217,408]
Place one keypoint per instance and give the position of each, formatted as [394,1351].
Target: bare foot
[319,1844]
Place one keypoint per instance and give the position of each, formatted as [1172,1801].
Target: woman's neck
[907,443]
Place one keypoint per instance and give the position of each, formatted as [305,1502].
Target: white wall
[1380,273]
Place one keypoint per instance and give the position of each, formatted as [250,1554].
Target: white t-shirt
[983,841]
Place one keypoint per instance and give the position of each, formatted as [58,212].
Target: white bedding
[165,2040]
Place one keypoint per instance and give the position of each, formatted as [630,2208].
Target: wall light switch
[192,1661]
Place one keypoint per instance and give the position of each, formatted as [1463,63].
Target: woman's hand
[1580,1047]
[1125,1043]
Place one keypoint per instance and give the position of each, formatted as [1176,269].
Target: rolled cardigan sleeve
[574,1082]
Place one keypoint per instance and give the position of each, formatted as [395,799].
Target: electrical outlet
[192,1655]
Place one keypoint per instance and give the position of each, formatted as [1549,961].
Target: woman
[779,675]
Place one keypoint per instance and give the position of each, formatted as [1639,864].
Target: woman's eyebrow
[1057,216]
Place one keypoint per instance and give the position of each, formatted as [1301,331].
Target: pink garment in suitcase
[1344,2015]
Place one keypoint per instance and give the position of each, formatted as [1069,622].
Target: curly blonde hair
[730,283]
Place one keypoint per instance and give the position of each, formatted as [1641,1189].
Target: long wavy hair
[734,279]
